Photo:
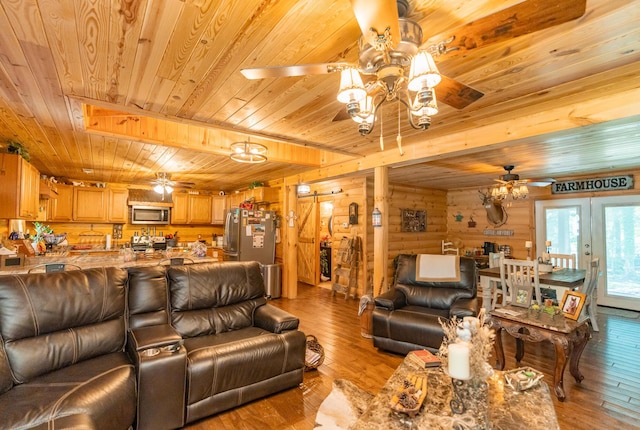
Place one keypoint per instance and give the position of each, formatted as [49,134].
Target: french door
[604,227]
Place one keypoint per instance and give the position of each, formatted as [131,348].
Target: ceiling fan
[510,185]
[163,184]
[391,45]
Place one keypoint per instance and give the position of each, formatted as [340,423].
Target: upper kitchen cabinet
[191,208]
[61,204]
[90,204]
[262,195]
[218,206]
[118,209]
[19,187]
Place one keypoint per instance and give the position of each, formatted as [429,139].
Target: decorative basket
[314,355]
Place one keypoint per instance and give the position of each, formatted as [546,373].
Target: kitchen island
[105,259]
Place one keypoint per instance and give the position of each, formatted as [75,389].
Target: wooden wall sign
[413,220]
[611,183]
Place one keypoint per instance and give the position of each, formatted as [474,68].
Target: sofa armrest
[157,336]
[274,319]
[464,308]
[161,366]
[390,300]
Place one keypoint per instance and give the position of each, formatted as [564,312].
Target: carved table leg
[583,334]
[519,350]
[561,345]
[497,347]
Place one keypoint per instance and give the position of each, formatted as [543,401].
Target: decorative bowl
[522,378]
[53,239]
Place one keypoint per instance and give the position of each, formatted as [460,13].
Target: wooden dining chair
[449,248]
[566,261]
[495,259]
[588,288]
[517,273]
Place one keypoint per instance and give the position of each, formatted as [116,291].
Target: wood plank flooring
[608,398]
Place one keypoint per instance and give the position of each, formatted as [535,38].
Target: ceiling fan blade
[377,15]
[456,94]
[296,70]
[517,20]
[543,182]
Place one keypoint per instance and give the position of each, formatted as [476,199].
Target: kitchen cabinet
[90,204]
[118,209]
[262,194]
[191,209]
[218,206]
[19,187]
[61,203]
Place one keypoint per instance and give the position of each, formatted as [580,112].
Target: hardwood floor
[608,398]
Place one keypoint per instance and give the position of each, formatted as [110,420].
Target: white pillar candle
[528,244]
[459,360]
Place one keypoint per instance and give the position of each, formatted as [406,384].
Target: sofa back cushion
[215,297]
[148,296]
[52,320]
[437,295]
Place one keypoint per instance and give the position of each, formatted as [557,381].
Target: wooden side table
[568,337]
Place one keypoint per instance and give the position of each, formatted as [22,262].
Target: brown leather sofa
[81,350]
[405,318]
[62,354]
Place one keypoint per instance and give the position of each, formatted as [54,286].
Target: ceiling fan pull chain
[381,136]
[399,137]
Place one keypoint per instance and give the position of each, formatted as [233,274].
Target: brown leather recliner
[62,358]
[405,318]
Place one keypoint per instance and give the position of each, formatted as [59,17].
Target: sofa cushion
[214,298]
[53,320]
[214,361]
[102,388]
[148,296]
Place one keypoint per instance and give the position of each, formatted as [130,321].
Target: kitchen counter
[114,259]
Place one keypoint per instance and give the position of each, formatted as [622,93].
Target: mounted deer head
[496,213]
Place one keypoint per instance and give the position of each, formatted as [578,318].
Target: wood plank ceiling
[129,88]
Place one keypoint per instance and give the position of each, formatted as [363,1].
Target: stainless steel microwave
[149,215]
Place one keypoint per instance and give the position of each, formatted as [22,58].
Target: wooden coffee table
[567,336]
[508,409]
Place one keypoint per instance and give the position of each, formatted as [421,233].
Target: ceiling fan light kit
[510,186]
[392,80]
[248,152]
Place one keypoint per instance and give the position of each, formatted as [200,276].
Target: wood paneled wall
[434,202]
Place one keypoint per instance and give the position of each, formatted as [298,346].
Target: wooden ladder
[345,275]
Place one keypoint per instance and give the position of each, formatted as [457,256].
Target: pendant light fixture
[247,152]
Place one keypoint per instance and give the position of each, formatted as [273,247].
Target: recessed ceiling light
[88,171]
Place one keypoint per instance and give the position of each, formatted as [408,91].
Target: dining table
[560,280]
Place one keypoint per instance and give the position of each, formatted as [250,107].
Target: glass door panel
[617,241]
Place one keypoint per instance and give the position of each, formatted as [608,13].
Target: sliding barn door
[308,249]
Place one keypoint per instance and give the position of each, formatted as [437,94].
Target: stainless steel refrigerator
[250,235]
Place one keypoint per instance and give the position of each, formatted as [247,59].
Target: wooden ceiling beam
[533,128]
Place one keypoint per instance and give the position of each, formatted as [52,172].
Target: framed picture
[572,304]
[413,220]
[522,295]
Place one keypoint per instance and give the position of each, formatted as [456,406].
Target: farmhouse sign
[610,183]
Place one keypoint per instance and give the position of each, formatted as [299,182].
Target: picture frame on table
[572,304]
[522,295]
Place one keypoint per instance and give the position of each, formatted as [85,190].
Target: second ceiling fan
[398,66]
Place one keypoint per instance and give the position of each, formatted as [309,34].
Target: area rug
[343,406]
